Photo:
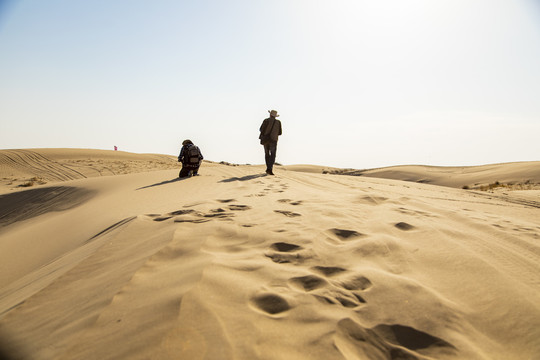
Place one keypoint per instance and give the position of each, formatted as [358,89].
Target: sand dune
[236,265]
[519,175]
[28,167]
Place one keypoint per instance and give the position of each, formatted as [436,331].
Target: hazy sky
[357,83]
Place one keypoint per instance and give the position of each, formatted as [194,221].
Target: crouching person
[190,157]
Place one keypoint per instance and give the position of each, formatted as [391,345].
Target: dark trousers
[185,171]
[270,155]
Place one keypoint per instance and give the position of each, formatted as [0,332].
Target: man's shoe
[269,172]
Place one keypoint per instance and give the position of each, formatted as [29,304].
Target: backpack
[266,136]
[192,156]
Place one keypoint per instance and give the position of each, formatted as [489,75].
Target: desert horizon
[81,163]
[108,255]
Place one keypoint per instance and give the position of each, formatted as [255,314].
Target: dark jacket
[273,125]
[183,156]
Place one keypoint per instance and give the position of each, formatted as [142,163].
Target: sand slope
[28,167]
[236,265]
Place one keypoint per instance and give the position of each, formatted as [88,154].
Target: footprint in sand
[327,293]
[256,195]
[283,253]
[270,303]
[224,201]
[285,247]
[235,207]
[404,226]
[182,212]
[331,285]
[199,217]
[195,221]
[343,234]
[389,341]
[308,282]
[159,217]
[347,290]
[328,270]
[162,218]
[344,301]
[287,213]
[291,202]
[218,213]
[194,216]
[344,291]
[357,282]
[409,337]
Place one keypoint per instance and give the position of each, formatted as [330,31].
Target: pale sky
[357,83]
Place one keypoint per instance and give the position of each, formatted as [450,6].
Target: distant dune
[520,174]
[108,255]
[25,168]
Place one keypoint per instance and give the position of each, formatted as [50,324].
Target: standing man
[270,131]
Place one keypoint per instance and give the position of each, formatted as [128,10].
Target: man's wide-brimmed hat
[273,113]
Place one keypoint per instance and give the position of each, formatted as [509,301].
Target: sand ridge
[236,265]
[508,176]
[20,168]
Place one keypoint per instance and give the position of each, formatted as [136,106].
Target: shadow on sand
[163,183]
[245,178]
[23,205]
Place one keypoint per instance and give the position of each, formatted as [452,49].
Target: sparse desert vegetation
[528,185]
